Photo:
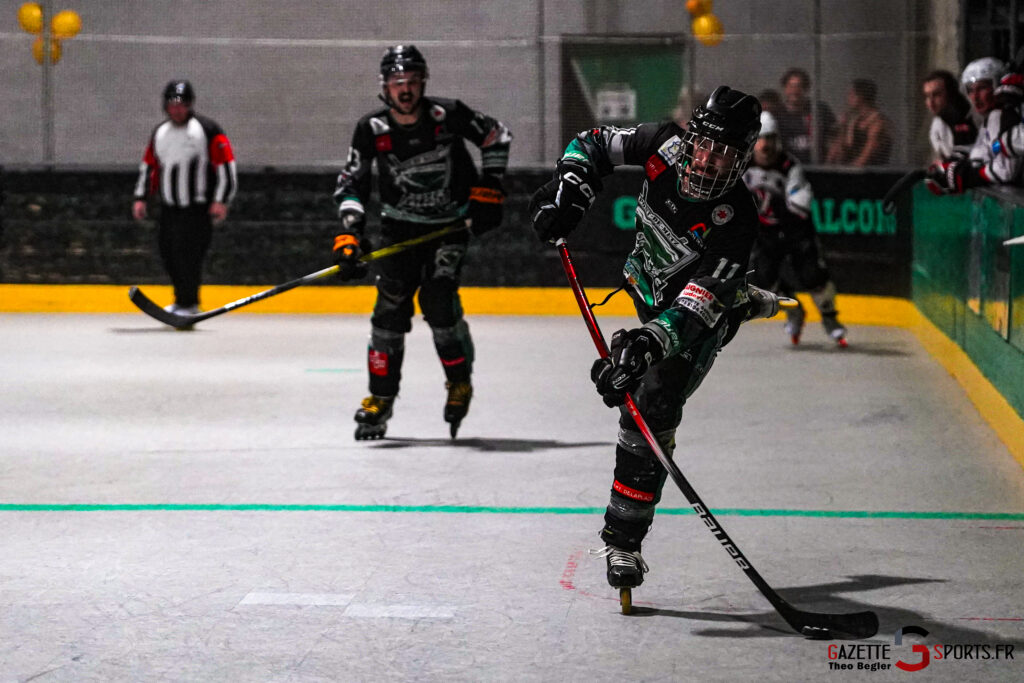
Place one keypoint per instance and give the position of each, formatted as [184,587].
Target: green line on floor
[486,509]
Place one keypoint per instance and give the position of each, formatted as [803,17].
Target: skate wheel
[842,342]
[370,432]
[626,599]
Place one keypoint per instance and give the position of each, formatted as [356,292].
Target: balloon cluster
[706,26]
[65,24]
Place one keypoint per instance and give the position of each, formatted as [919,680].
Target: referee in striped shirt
[190,166]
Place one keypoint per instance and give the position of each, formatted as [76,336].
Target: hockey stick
[811,624]
[1013,240]
[899,187]
[184,320]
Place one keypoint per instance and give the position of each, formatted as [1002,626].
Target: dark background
[74,227]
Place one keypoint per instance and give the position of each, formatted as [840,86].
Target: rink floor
[191,506]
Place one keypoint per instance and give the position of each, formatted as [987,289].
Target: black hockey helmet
[179,91]
[718,142]
[400,59]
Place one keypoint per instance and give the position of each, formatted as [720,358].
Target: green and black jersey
[687,270]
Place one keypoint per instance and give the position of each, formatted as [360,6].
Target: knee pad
[633,442]
[394,307]
[441,304]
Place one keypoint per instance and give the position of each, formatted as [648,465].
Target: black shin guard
[455,349]
[639,479]
[384,359]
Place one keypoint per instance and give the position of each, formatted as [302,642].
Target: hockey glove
[559,205]
[953,177]
[348,248]
[1010,91]
[486,203]
[632,354]
[1010,99]
[761,303]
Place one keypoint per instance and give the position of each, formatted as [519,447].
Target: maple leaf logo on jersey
[722,214]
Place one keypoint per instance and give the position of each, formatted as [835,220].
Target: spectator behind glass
[771,101]
[865,137]
[953,129]
[984,166]
[794,118]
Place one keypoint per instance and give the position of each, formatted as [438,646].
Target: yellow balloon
[30,16]
[66,24]
[37,50]
[698,7]
[708,29]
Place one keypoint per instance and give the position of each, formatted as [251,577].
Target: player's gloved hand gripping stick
[184,320]
[811,624]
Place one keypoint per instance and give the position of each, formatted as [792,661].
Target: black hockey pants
[184,237]
[433,271]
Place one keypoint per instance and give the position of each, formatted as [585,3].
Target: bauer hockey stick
[811,624]
[899,187]
[184,320]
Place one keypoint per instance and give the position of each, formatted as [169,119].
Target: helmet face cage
[708,168]
[717,144]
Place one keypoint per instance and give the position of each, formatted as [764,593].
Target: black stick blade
[146,305]
[827,626]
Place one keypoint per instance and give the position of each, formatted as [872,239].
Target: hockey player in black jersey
[695,226]
[787,257]
[426,179]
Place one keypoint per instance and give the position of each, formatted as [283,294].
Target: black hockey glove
[559,205]
[486,203]
[348,247]
[953,177]
[632,354]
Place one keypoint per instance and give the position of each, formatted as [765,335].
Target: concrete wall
[288,80]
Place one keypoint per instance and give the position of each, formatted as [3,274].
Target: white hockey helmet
[769,126]
[984,69]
